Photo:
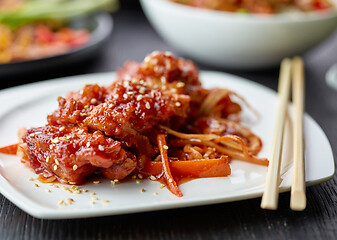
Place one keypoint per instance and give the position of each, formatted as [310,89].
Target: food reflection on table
[259,6]
[155,120]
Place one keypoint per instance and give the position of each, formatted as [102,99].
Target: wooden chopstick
[270,195]
[298,199]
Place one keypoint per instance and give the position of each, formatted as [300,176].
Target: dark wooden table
[133,38]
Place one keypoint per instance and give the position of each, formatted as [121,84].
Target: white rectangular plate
[29,105]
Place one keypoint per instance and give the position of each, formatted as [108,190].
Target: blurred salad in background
[32,29]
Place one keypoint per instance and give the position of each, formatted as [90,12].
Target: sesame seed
[139,97]
[125,96]
[75,167]
[68,137]
[92,194]
[154,61]
[116,180]
[62,180]
[163,87]
[152,94]
[86,106]
[134,80]
[88,144]
[62,128]
[77,191]
[155,193]
[180,84]
[141,82]
[84,190]
[32,135]
[105,201]
[165,147]
[140,176]
[178,104]
[101,148]
[70,200]
[30,179]
[170,180]
[147,59]
[51,184]
[130,93]
[163,80]
[153,178]
[48,190]
[51,146]
[162,186]
[137,181]
[64,188]
[136,112]
[83,114]
[56,186]
[134,177]
[174,90]
[37,133]
[93,101]
[142,90]
[110,105]
[36,185]
[55,167]
[80,131]
[105,104]
[92,202]
[159,69]
[57,162]
[112,182]
[94,198]
[55,140]
[61,202]
[147,105]
[63,138]
[142,190]
[73,185]
[96,182]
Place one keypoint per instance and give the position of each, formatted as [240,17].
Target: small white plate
[28,106]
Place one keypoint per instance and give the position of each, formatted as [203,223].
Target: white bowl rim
[260,18]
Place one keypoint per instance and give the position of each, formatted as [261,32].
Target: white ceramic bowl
[238,41]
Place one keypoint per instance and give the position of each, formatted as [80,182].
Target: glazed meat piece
[134,108]
[73,109]
[71,153]
[143,95]
[164,71]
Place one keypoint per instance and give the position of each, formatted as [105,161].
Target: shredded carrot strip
[197,168]
[10,149]
[172,185]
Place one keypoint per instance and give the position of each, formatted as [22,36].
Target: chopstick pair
[291,75]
